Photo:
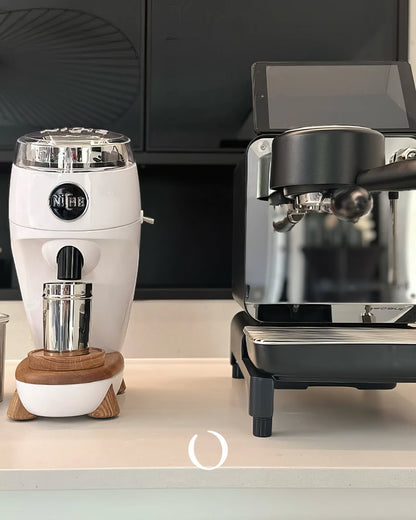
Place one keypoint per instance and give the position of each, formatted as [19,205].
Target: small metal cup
[66,317]
[4,318]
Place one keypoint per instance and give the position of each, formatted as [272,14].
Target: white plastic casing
[65,400]
[107,234]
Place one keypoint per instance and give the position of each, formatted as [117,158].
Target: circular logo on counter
[224,451]
[68,201]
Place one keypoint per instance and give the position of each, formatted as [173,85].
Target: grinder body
[74,194]
[107,235]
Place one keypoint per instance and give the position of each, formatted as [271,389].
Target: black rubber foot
[262,426]
[237,374]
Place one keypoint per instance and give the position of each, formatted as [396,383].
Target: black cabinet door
[71,63]
[200,53]
[188,250]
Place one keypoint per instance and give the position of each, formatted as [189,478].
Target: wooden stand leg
[108,407]
[16,410]
[122,388]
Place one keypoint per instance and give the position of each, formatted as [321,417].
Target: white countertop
[322,437]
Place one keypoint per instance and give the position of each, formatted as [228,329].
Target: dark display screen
[305,95]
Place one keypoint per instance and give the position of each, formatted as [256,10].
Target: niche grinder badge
[68,201]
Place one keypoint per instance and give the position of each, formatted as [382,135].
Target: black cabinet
[187,252]
[181,65]
[71,63]
[200,53]
[174,75]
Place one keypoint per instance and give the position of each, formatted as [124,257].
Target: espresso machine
[75,220]
[324,249]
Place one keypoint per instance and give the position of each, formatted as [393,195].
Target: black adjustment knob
[70,262]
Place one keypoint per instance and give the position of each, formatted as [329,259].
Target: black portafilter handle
[398,176]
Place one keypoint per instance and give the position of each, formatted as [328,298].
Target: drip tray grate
[334,354]
[330,335]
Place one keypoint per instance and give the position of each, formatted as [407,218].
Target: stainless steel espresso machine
[324,248]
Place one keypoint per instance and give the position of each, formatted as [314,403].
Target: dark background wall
[175,77]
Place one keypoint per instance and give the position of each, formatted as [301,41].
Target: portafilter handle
[397,176]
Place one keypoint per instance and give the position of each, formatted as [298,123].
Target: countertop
[324,439]
[321,436]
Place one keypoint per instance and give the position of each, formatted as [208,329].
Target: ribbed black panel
[67,67]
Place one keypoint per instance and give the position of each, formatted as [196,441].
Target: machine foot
[262,426]
[237,374]
[108,407]
[122,388]
[16,410]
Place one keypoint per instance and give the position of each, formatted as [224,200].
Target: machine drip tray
[333,354]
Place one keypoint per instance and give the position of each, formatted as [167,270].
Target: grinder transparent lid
[68,149]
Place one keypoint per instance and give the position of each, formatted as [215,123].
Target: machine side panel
[239,235]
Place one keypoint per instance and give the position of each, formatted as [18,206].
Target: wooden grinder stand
[56,369]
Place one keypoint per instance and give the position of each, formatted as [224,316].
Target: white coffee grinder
[75,219]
